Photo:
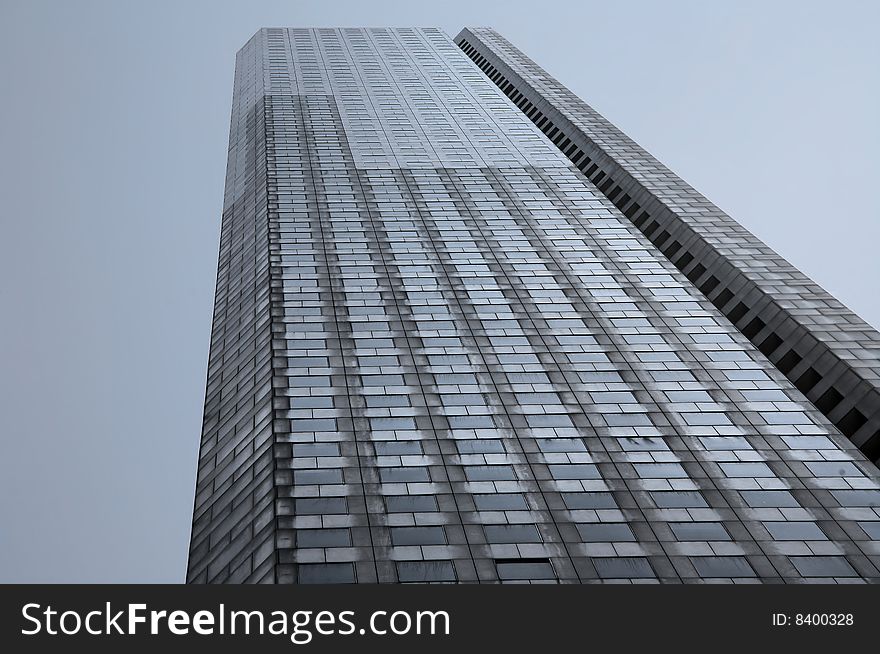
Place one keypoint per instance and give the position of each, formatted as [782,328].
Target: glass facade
[830,354]
[441,354]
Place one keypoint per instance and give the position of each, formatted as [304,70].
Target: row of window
[541,569]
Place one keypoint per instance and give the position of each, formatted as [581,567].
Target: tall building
[465,337]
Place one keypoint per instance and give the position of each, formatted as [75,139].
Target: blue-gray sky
[113,133]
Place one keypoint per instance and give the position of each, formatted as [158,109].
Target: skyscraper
[449,347]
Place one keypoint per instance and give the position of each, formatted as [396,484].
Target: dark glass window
[418,536]
[326,573]
[425,571]
[501,502]
[522,569]
[512,534]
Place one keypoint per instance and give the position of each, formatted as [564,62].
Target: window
[605,532]
[501,502]
[418,536]
[323,538]
[524,569]
[316,449]
[399,475]
[828,400]
[794,531]
[321,506]
[322,476]
[489,473]
[822,566]
[512,534]
[573,471]
[679,499]
[688,531]
[596,500]
[392,448]
[788,361]
[808,380]
[425,571]
[722,566]
[325,573]
[851,422]
[628,567]
[410,503]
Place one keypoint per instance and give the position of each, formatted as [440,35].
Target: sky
[113,133]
